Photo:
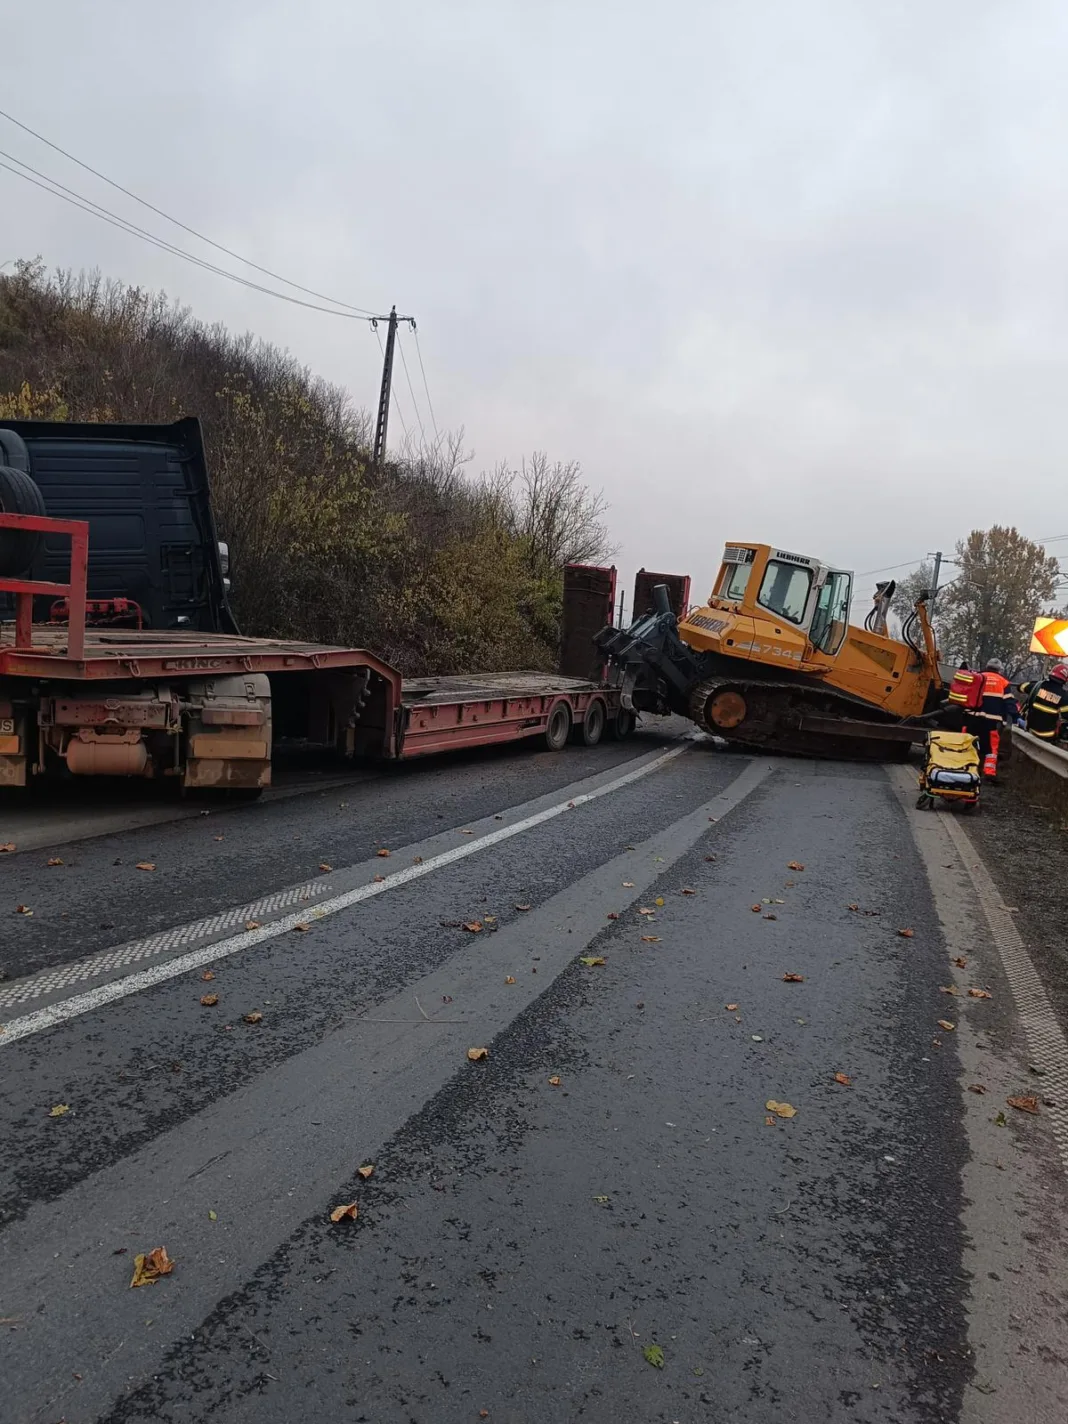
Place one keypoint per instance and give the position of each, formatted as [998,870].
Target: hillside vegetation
[436,571]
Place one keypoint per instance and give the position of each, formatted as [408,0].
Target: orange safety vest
[995,693]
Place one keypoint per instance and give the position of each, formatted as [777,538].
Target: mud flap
[228,733]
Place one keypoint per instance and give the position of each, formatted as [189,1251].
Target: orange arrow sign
[1050,635]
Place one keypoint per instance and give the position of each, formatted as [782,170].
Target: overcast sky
[790,270]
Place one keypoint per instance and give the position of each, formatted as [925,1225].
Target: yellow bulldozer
[772,661]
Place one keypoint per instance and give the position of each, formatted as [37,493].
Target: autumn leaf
[366,1172]
[252,924]
[350,1210]
[945,1023]
[793,978]
[417,860]
[150,1266]
[961,962]
[324,867]
[212,1215]
[659,901]
[1000,1120]
[907,934]
[145,865]
[209,1000]
[208,975]
[771,917]
[853,907]
[612,915]
[477,1054]
[472,926]
[650,939]
[843,1078]
[755,909]
[654,1356]
[554,1081]
[1025,1104]
[23,910]
[780,1109]
[948,989]
[55,860]
[218,838]
[644,910]
[8,847]
[592,961]
[254,1017]
[628,885]
[731,1008]
[59,1110]
[979,1088]
[510,979]
[523,908]
[467,833]
[489,919]
[794,865]
[978,994]
[378,879]
[687,892]
[601,1201]
[383,853]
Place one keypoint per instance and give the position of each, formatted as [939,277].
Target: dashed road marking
[51,1015]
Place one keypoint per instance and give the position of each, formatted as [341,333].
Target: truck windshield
[784,589]
[735,578]
[831,618]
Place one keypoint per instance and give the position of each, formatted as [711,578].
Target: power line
[411,391]
[309,291]
[430,403]
[87,205]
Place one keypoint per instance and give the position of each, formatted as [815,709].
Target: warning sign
[1050,635]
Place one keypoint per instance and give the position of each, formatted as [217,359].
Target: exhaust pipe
[661,600]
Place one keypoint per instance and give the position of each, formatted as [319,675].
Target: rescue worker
[995,708]
[1045,702]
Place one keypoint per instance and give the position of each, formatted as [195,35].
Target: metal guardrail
[1044,754]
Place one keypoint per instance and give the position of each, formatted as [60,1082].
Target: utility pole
[382,423]
[937,570]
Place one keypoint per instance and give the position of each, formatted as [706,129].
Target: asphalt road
[602,1219]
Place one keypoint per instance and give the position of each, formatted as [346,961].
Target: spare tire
[19,547]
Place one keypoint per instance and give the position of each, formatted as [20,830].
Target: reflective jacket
[1045,702]
[997,704]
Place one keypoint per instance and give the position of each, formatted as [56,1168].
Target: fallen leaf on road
[612,915]
[793,978]
[148,1267]
[731,1008]
[780,1109]
[654,1356]
[644,910]
[771,917]
[417,860]
[489,919]
[961,962]
[476,1054]
[907,934]
[948,989]
[710,857]
[659,901]
[978,994]
[789,884]
[467,833]
[510,979]
[979,1088]
[145,865]
[383,853]
[523,908]
[769,1122]
[209,1000]
[378,879]
[650,939]
[1000,1120]
[208,975]
[217,838]
[212,1215]
[601,1200]
[23,910]
[55,860]
[1027,1105]
[366,1172]
[628,885]
[301,929]
[8,847]
[350,1210]
[687,892]
[554,1081]
[59,1110]
[755,909]
[843,1078]
[324,867]
[592,960]
[945,1023]
[852,907]
[472,926]
[252,924]
[794,865]
[254,1017]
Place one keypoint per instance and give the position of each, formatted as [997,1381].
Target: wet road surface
[602,1219]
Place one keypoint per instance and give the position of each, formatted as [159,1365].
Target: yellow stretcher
[951,770]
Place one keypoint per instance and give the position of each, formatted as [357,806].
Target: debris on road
[350,1210]
[23,910]
[366,1172]
[509,979]
[145,865]
[8,847]
[907,933]
[780,1109]
[53,860]
[554,1081]
[649,939]
[523,908]
[979,1088]
[209,1000]
[252,924]
[150,1266]
[1025,1104]
[324,867]
[383,853]
[472,926]
[477,1054]
[208,975]
[731,1008]
[979,994]
[254,1017]
[794,865]
[843,1078]
[593,961]
[654,1356]
[793,978]
[945,1023]
[59,1110]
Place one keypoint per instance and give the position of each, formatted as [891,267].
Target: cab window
[784,590]
[831,618]
[734,581]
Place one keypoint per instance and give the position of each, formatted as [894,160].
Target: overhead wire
[202,237]
[411,390]
[426,388]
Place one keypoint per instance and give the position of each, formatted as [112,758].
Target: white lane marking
[103,994]
[48,981]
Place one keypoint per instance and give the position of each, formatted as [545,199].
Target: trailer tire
[558,727]
[621,725]
[19,494]
[593,723]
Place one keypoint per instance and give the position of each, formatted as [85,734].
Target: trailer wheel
[621,725]
[593,723]
[19,494]
[558,727]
